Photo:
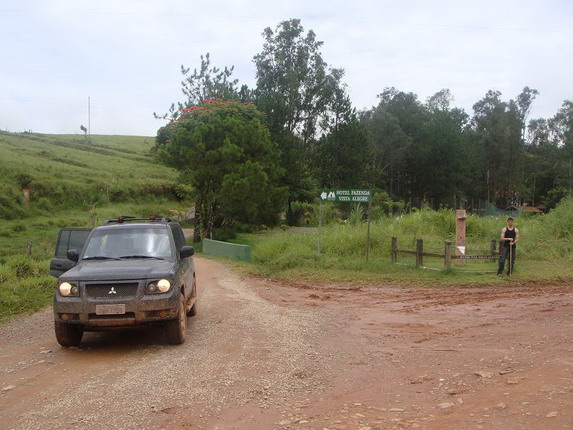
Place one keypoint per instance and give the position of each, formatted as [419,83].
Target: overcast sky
[126,54]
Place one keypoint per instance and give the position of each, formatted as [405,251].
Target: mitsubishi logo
[112,291]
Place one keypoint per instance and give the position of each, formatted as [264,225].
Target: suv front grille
[111,291]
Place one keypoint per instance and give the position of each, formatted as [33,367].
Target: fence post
[393,250]
[492,247]
[419,250]
[448,255]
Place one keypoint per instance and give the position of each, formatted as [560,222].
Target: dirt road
[267,355]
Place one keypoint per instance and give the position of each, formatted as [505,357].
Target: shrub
[21,266]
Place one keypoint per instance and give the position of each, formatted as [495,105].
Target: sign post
[347,196]
[368,231]
[319,225]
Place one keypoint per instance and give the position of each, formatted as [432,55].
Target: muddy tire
[192,311]
[175,329]
[68,334]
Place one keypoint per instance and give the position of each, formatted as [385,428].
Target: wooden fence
[446,256]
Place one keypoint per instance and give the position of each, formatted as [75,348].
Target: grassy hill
[72,182]
[63,171]
[76,182]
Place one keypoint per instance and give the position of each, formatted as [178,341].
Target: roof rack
[122,219]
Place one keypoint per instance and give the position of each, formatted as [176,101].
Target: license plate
[110,309]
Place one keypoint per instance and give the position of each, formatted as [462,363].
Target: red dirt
[264,354]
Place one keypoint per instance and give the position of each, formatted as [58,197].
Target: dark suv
[130,271]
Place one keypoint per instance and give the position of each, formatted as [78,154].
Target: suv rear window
[71,239]
[140,241]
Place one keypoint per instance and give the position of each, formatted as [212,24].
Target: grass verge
[25,286]
[545,253]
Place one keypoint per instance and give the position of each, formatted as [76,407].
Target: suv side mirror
[186,251]
[73,255]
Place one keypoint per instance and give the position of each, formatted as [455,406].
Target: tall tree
[562,126]
[447,161]
[294,84]
[206,82]
[302,99]
[225,151]
[498,134]
[341,157]
[387,146]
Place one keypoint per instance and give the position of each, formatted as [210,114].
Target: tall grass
[62,171]
[545,238]
[25,285]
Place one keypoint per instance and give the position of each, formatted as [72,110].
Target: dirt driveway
[265,355]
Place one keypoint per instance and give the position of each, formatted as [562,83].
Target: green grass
[73,182]
[25,286]
[63,171]
[545,252]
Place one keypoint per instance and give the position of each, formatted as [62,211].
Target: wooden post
[492,247]
[319,226]
[460,235]
[448,255]
[368,232]
[419,250]
[393,250]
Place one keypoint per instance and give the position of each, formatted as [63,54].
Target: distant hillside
[68,170]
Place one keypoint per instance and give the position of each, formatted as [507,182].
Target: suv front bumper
[140,308]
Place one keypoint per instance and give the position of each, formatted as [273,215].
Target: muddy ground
[262,354]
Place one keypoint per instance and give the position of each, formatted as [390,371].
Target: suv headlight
[158,287]
[68,290]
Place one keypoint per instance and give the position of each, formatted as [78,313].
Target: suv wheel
[192,311]
[68,334]
[175,329]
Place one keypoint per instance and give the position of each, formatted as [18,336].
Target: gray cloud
[126,55]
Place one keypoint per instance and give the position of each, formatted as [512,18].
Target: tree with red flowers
[223,149]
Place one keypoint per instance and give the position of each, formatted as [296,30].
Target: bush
[5,274]
[44,204]
[26,295]
[21,266]
[11,205]
[24,285]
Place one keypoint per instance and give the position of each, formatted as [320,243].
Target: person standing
[509,237]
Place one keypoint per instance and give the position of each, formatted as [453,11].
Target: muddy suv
[128,272]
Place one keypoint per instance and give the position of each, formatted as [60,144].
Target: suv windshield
[141,242]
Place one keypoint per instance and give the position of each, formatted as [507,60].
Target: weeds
[545,251]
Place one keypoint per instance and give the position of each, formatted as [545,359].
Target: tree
[562,126]
[224,150]
[341,156]
[498,133]
[207,82]
[294,85]
[302,98]
[387,144]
